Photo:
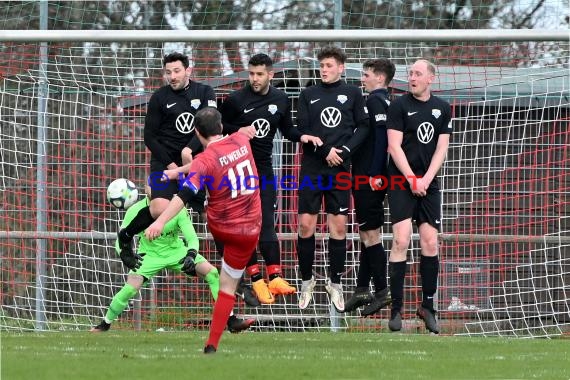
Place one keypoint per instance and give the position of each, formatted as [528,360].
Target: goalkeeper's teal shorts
[152,264]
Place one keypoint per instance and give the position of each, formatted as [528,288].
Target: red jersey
[227,170]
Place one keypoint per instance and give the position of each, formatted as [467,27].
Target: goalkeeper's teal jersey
[169,240]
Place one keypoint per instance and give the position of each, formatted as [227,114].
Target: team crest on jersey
[195,103]
[212,103]
[272,108]
[365,109]
[342,99]
[436,113]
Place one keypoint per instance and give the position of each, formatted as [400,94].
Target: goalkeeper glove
[188,265]
[131,260]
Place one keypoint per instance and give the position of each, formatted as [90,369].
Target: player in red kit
[227,170]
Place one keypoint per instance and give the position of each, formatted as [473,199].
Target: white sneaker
[336,295]
[457,305]
[306,293]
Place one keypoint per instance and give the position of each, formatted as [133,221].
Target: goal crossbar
[476,238]
[301,35]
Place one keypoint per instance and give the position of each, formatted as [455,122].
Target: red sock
[274,270]
[222,310]
[252,270]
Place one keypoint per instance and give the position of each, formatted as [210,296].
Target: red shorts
[238,248]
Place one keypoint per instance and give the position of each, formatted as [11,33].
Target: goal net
[71,121]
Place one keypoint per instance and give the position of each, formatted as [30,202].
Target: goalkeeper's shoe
[262,292]
[245,292]
[360,297]
[278,286]
[428,316]
[381,299]
[336,295]
[209,349]
[306,293]
[237,325]
[101,327]
[395,322]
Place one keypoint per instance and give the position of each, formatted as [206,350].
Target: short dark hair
[381,66]
[332,52]
[173,57]
[260,60]
[208,122]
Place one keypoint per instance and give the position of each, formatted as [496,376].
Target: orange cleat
[278,286]
[262,292]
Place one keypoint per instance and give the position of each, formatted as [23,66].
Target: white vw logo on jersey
[425,132]
[261,128]
[330,117]
[185,123]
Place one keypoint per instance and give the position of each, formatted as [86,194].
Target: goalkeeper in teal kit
[167,252]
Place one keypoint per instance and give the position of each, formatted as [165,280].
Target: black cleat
[428,316]
[245,292]
[209,349]
[101,327]
[395,322]
[381,299]
[237,325]
[361,296]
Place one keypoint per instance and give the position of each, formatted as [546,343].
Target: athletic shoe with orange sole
[262,292]
[278,286]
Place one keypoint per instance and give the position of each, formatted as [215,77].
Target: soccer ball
[122,193]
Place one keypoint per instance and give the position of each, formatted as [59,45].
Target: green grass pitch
[254,355]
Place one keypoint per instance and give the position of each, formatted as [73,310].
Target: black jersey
[332,112]
[371,157]
[169,122]
[266,113]
[421,123]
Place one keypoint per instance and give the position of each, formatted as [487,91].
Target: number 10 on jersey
[245,176]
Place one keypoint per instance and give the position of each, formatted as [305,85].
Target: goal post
[73,103]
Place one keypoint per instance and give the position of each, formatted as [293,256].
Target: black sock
[397,277]
[306,256]
[139,223]
[270,252]
[337,259]
[363,276]
[377,261]
[429,271]
[219,247]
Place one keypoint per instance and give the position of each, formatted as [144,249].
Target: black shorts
[404,205]
[268,195]
[313,188]
[167,189]
[369,207]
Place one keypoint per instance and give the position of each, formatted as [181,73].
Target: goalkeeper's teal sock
[120,302]
[213,280]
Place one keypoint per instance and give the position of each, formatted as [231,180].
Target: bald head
[427,64]
[420,78]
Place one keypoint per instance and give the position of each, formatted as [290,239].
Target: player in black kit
[335,112]
[419,129]
[260,109]
[169,135]
[369,161]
